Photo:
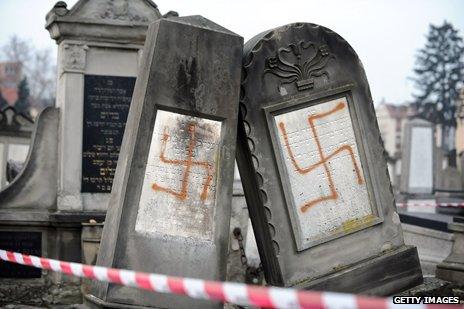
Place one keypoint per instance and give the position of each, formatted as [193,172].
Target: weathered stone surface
[92,37]
[170,203]
[35,187]
[432,245]
[452,268]
[187,210]
[312,166]
[102,20]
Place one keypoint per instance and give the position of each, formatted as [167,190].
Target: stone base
[383,275]
[454,197]
[433,246]
[452,272]
[92,302]
[39,292]
[452,268]
[60,239]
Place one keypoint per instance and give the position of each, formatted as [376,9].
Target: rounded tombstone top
[300,58]
[310,146]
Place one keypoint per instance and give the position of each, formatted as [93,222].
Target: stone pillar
[99,46]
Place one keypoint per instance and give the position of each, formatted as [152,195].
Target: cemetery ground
[174,148]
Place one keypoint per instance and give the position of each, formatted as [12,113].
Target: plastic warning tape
[236,293]
[415,204]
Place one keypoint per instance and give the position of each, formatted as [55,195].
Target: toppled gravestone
[170,203]
[312,167]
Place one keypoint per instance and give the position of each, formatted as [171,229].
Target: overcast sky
[385,33]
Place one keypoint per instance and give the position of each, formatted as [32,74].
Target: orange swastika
[188,164]
[323,158]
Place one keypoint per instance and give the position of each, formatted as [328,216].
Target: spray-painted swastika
[323,158]
[187,164]
[178,195]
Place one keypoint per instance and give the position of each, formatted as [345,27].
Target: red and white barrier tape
[415,204]
[237,293]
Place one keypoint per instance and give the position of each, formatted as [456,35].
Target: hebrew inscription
[23,242]
[326,180]
[179,187]
[106,106]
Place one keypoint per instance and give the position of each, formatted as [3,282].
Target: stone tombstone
[99,47]
[449,179]
[170,203]
[313,169]
[419,158]
[74,148]
[452,268]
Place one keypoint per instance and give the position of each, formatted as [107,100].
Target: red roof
[9,94]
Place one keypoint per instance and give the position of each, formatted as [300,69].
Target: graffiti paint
[179,188]
[327,187]
[188,164]
[323,159]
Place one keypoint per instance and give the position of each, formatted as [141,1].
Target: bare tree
[17,50]
[38,66]
[42,77]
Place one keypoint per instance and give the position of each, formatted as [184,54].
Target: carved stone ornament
[299,63]
[13,121]
[121,10]
[74,57]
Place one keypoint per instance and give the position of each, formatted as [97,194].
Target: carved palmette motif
[299,63]
[121,10]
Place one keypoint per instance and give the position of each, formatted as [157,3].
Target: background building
[391,119]
[10,76]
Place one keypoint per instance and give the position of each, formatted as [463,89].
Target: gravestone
[170,203]
[99,47]
[449,187]
[313,168]
[452,268]
[418,159]
[449,179]
[68,173]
